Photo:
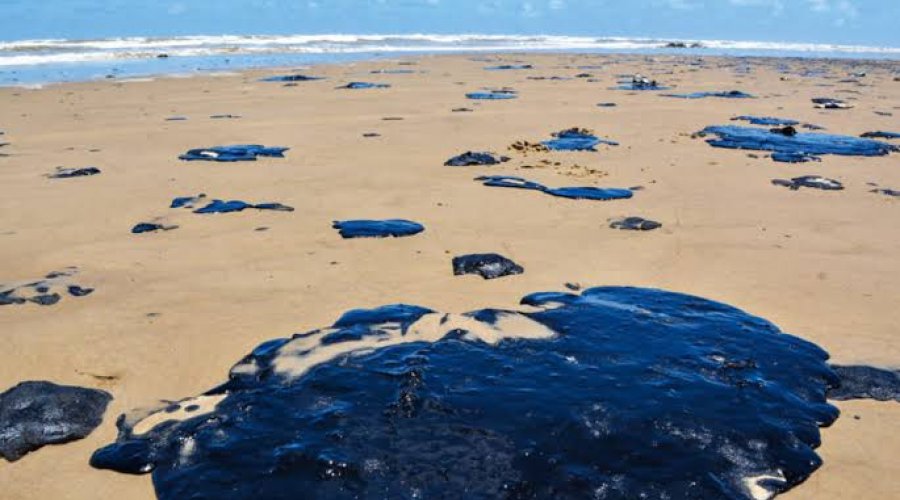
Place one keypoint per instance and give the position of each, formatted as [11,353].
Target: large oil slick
[725,94]
[363,86]
[634,223]
[487,265]
[237,152]
[504,67]
[34,414]
[363,228]
[573,192]
[290,78]
[794,145]
[576,139]
[493,95]
[866,382]
[472,158]
[228,206]
[612,393]
[68,173]
[810,181]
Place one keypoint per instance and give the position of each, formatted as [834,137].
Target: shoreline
[192,61]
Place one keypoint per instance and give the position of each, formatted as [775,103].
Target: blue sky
[869,22]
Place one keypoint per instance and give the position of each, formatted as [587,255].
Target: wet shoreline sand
[173,310]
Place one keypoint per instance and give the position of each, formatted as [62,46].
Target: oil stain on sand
[611,393]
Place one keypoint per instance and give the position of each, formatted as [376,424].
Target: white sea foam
[36,52]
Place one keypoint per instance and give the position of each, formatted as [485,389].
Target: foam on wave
[50,51]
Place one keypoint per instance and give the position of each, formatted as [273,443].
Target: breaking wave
[38,52]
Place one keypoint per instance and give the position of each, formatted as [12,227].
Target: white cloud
[556,4]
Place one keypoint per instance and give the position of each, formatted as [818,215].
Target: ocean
[39,62]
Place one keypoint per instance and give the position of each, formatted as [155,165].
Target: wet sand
[173,310]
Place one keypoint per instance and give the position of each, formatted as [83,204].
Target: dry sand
[173,311]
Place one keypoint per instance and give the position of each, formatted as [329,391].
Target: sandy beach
[174,310]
